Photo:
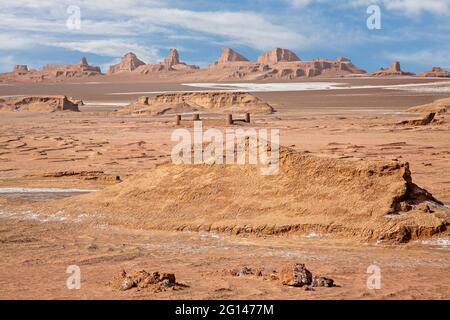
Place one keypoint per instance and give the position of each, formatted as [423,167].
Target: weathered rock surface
[428,119]
[229,55]
[143,280]
[128,63]
[393,70]
[220,101]
[39,104]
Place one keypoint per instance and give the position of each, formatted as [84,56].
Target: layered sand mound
[355,199]
[236,102]
[39,104]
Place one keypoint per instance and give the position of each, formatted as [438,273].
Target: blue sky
[34,32]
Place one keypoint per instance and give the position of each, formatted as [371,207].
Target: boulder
[393,70]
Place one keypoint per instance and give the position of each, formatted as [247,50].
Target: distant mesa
[229,55]
[39,104]
[393,70]
[277,55]
[435,72]
[173,58]
[128,63]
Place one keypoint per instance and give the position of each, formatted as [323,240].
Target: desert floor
[90,149]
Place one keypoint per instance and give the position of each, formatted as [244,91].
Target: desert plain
[345,122]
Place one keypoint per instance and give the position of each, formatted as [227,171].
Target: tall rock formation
[128,63]
[277,55]
[229,55]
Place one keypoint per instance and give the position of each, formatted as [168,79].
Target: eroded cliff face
[194,101]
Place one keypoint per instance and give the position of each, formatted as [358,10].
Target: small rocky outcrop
[140,280]
[220,101]
[229,55]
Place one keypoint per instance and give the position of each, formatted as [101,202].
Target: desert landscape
[233,150]
[87,179]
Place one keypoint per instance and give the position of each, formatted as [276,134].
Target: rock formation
[238,102]
[172,59]
[170,63]
[39,104]
[435,72]
[277,55]
[393,70]
[128,63]
[71,70]
[229,55]
[286,70]
[354,199]
[441,106]
[20,69]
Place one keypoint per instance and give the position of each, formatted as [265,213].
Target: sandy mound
[40,104]
[393,70]
[354,199]
[236,102]
[435,72]
[439,106]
